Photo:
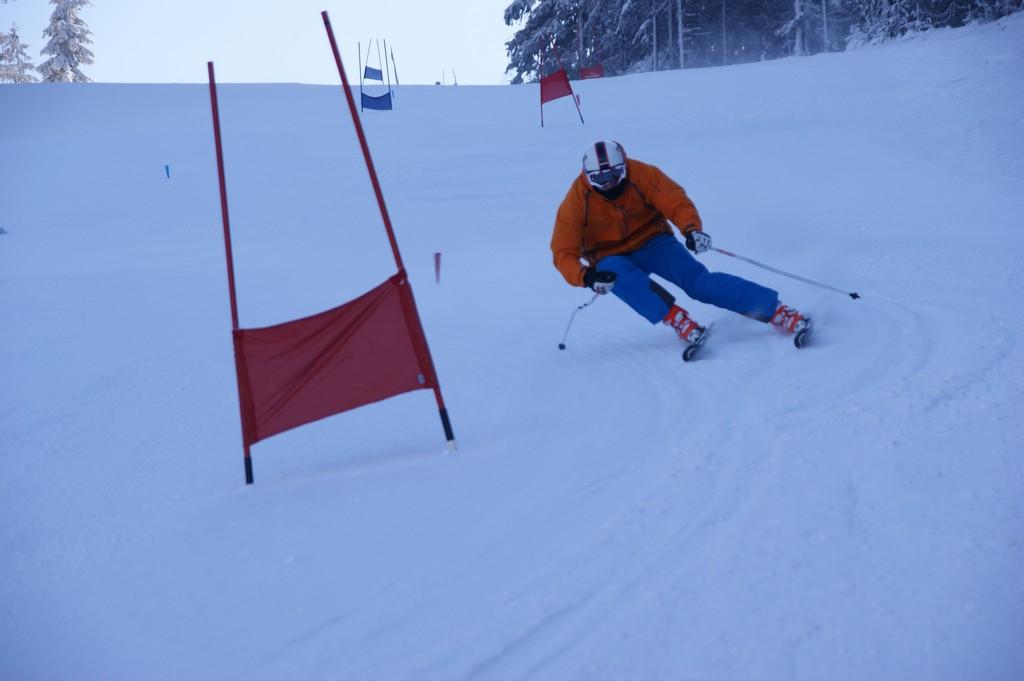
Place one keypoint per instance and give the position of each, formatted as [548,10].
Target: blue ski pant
[666,256]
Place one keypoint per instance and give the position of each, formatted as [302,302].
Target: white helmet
[604,164]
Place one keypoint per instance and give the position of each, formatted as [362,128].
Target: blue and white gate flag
[380,103]
[375,74]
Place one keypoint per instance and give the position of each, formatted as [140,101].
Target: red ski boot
[679,319]
[689,331]
[789,319]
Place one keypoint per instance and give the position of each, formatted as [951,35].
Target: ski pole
[853,295]
[561,346]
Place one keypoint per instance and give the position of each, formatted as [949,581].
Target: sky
[165,41]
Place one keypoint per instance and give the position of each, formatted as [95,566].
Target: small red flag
[596,71]
[304,370]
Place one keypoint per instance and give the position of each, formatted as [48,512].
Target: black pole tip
[855,296]
[561,346]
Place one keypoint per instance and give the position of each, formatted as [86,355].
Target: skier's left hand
[698,241]
[599,282]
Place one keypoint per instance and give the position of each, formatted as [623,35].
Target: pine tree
[625,36]
[68,39]
[580,33]
[532,50]
[793,29]
[14,64]
[880,20]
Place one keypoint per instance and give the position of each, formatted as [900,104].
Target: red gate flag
[596,71]
[361,352]
[555,86]
[304,370]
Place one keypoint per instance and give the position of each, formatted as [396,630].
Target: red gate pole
[541,83]
[425,349]
[558,57]
[239,370]
[576,101]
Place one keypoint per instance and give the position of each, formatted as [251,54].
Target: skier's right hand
[599,282]
[697,241]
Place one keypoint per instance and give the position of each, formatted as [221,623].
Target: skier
[615,219]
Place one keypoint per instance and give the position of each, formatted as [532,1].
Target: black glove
[698,241]
[599,282]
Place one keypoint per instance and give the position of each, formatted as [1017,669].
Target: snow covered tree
[68,36]
[578,32]
[794,29]
[14,64]
[879,20]
[640,35]
[549,27]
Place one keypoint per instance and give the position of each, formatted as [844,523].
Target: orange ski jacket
[590,227]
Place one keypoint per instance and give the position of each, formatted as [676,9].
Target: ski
[800,339]
[693,348]
[803,335]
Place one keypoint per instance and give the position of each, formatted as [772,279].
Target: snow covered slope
[848,511]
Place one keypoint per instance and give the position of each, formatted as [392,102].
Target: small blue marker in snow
[167,170]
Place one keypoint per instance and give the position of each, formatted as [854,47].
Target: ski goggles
[608,177]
